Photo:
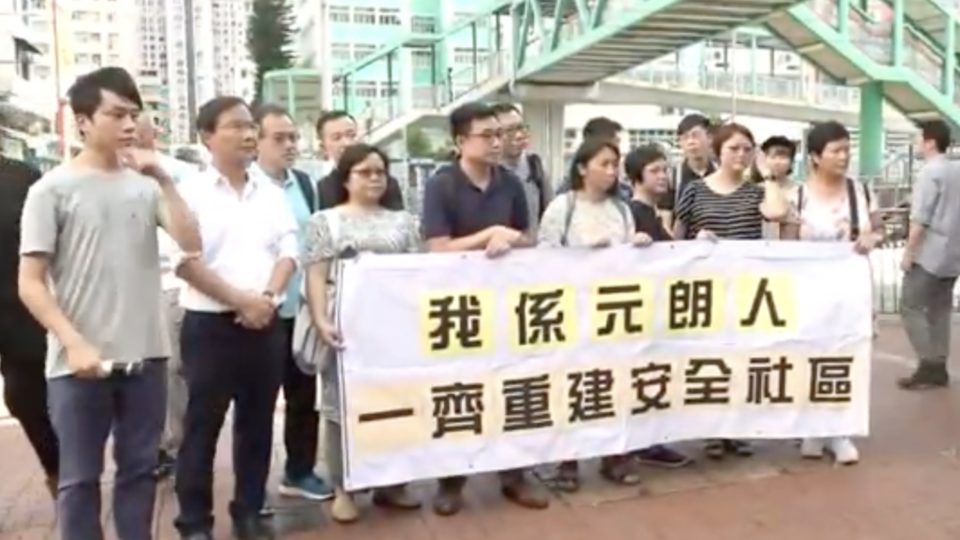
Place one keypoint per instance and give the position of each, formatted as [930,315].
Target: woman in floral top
[357,223]
[592,214]
[829,207]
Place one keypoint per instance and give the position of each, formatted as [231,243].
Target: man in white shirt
[232,345]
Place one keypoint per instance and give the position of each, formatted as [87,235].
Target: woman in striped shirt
[726,205]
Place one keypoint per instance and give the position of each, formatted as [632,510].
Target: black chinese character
[390,414]
[539,317]
[762,298]
[656,377]
[458,407]
[691,304]
[707,389]
[830,379]
[527,403]
[461,321]
[760,390]
[629,302]
[591,395]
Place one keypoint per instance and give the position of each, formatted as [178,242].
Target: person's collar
[257,170]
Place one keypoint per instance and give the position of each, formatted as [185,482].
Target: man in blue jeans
[90,274]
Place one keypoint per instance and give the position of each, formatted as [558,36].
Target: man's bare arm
[38,299]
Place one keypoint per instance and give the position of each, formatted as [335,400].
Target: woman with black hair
[357,222]
[592,215]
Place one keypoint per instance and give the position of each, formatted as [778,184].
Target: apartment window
[81,59]
[388,89]
[465,56]
[423,25]
[366,89]
[340,51]
[86,16]
[364,15]
[390,16]
[422,59]
[363,50]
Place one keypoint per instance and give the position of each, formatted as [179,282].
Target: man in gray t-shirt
[90,274]
[931,259]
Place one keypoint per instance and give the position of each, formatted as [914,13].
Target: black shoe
[253,528]
[198,536]
[166,464]
[927,377]
[662,456]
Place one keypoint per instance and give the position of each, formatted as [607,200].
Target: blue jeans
[83,412]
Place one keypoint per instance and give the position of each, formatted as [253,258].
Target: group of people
[153,336]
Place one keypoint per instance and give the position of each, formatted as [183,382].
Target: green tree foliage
[418,143]
[270,38]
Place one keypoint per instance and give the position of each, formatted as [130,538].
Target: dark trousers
[224,362]
[84,412]
[302,421]
[23,346]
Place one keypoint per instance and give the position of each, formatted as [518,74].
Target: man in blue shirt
[276,151]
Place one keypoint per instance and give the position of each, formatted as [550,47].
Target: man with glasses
[336,131]
[694,135]
[476,204]
[276,152]
[526,165]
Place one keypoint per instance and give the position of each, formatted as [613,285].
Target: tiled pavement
[904,489]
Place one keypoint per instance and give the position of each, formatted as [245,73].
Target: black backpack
[307,189]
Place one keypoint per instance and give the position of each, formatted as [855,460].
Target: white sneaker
[844,451]
[812,448]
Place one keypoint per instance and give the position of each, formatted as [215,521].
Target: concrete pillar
[546,135]
[871,129]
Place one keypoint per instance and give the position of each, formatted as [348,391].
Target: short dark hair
[330,116]
[937,131]
[725,132]
[463,117]
[86,92]
[601,126]
[263,110]
[352,155]
[638,159]
[504,107]
[588,150]
[779,141]
[211,111]
[691,121]
[824,133]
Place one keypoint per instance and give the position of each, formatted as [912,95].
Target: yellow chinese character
[621,309]
[694,304]
[765,302]
[456,322]
[541,317]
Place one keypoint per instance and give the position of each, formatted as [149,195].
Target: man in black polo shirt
[23,342]
[694,135]
[470,205]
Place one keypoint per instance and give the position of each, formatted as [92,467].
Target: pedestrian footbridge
[899,55]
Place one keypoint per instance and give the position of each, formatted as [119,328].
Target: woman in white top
[357,223]
[829,207]
[593,215]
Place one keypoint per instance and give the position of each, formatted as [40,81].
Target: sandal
[567,478]
[715,449]
[738,447]
[620,470]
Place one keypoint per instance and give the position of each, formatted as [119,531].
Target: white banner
[456,364]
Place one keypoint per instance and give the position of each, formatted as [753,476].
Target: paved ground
[904,489]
